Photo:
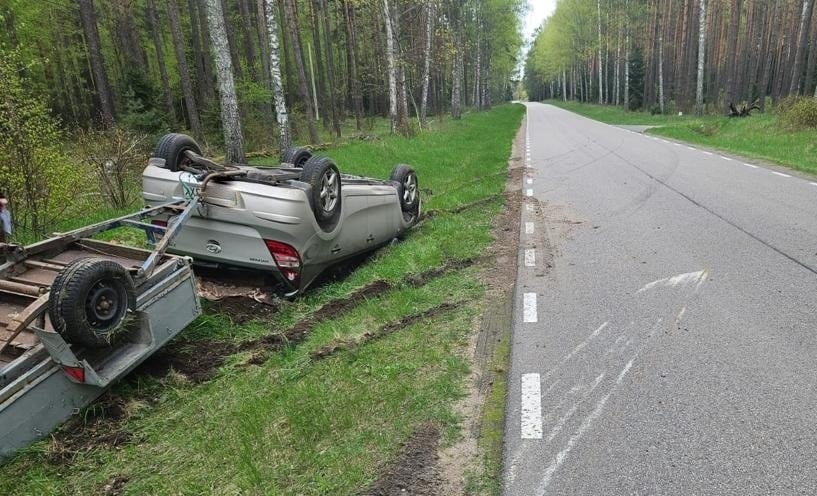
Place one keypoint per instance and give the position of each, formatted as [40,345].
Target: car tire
[89,302]
[408,191]
[324,177]
[171,148]
[296,156]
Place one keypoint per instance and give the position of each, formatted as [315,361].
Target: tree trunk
[699,92]
[184,72]
[811,65]
[200,37]
[230,121]
[661,69]
[100,77]
[291,22]
[235,58]
[731,52]
[275,75]
[805,22]
[601,76]
[249,44]
[330,66]
[392,67]
[160,58]
[426,61]
[351,51]
[318,86]
[457,70]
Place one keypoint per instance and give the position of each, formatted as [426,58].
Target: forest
[667,56]
[86,86]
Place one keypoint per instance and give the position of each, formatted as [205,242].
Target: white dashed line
[780,174]
[531,407]
[750,165]
[529,308]
[813,184]
[691,148]
[529,181]
[529,207]
[529,192]
[726,158]
[530,257]
[707,153]
[528,227]
[677,144]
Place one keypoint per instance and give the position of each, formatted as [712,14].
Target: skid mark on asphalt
[696,278]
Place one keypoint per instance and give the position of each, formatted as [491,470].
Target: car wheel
[171,148]
[408,190]
[296,156]
[89,301]
[323,175]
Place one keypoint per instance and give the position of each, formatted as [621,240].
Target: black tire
[324,177]
[408,190]
[171,148]
[296,156]
[89,301]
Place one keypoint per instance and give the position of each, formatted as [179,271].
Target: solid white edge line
[529,308]
[813,184]
[726,158]
[750,165]
[531,407]
[707,153]
[529,192]
[528,227]
[530,257]
[780,174]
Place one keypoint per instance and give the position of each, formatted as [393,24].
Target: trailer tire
[408,190]
[171,148]
[324,177]
[296,156]
[90,300]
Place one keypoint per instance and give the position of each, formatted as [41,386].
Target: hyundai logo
[213,247]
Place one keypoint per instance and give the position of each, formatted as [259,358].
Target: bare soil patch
[414,469]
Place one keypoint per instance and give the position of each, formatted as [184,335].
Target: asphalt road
[665,329]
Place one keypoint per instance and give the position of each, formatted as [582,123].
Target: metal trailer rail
[44,379]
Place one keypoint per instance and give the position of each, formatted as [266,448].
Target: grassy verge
[760,136]
[298,425]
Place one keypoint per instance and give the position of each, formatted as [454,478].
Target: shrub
[116,158]
[800,113]
[39,181]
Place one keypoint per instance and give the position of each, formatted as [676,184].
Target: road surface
[665,328]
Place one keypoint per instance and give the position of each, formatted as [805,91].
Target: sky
[538,11]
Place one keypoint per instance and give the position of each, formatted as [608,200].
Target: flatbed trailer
[47,374]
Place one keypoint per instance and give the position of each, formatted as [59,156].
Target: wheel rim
[410,189]
[102,305]
[329,190]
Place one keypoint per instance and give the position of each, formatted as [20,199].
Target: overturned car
[293,221]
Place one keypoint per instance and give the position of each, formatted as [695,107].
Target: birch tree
[397,123]
[230,121]
[281,114]
[601,75]
[427,61]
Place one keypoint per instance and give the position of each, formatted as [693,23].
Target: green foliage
[116,158]
[35,174]
[799,112]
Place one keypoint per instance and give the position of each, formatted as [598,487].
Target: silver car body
[237,219]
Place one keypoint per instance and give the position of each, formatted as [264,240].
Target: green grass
[760,136]
[299,426]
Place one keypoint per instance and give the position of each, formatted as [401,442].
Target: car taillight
[286,258]
[75,373]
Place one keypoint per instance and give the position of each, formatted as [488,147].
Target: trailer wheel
[296,156]
[408,191]
[323,175]
[171,148]
[89,301]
